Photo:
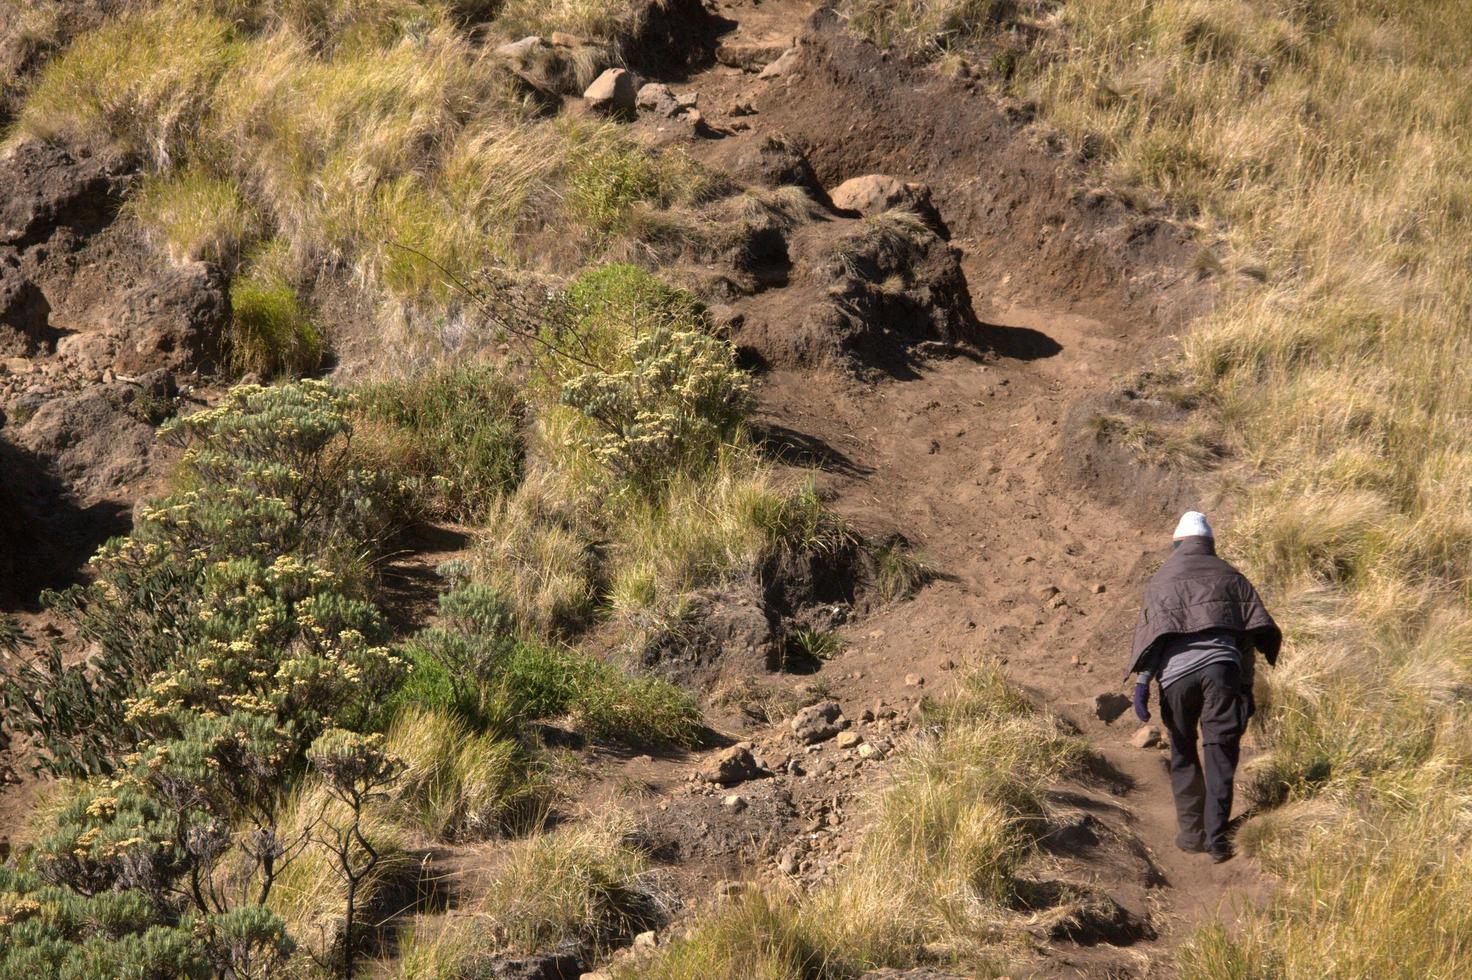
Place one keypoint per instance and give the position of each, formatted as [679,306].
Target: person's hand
[1142,702]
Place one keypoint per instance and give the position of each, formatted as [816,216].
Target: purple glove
[1142,702]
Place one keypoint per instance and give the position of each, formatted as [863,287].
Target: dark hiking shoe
[1220,854]
[1191,847]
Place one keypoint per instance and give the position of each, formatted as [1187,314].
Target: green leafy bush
[50,931]
[457,428]
[657,393]
[229,642]
[210,582]
[676,401]
[476,666]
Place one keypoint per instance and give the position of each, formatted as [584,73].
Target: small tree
[356,770]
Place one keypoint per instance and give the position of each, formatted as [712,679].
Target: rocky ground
[937,373]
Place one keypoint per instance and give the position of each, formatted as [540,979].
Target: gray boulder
[613,91]
[658,99]
[517,50]
[176,322]
[818,722]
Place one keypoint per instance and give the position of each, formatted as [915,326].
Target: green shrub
[457,428]
[610,305]
[665,395]
[267,478]
[48,931]
[679,399]
[271,329]
[477,667]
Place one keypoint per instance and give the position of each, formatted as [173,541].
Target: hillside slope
[734,502]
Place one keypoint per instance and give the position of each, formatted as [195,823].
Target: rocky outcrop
[24,312]
[49,190]
[98,439]
[175,322]
[97,326]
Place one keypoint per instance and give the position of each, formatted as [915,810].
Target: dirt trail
[975,459]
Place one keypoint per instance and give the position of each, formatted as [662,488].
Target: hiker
[1199,625]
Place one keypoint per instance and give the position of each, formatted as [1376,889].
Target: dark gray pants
[1211,698]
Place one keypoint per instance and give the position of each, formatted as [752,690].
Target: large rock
[97,439]
[818,722]
[46,188]
[613,91]
[517,50]
[660,99]
[176,322]
[884,293]
[733,766]
[1148,737]
[751,56]
[876,193]
[783,65]
[24,314]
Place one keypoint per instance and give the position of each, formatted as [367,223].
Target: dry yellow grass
[578,884]
[1331,145]
[936,873]
[359,134]
[1325,150]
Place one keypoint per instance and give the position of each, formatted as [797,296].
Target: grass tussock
[309,892]
[459,783]
[591,20]
[272,332]
[937,871]
[576,885]
[1327,145]
[196,216]
[142,80]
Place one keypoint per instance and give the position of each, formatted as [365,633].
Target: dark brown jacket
[1195,590]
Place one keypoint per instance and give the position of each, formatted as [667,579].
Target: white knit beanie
[1193,525]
